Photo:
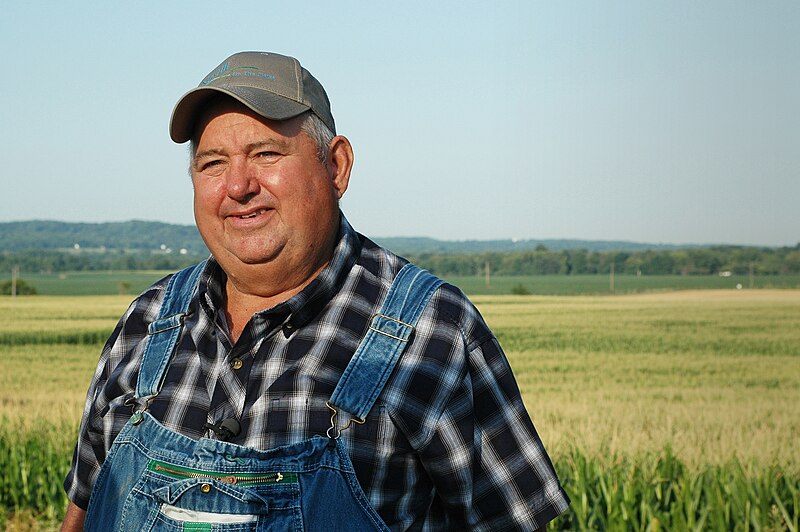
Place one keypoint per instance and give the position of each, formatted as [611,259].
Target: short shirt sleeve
[475,438]
[485,456]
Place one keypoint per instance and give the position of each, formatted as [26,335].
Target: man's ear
[340,163]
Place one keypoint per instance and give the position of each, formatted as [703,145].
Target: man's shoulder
[378,260]
[449,304]
[146,305]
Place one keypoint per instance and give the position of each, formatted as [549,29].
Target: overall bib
[156,479]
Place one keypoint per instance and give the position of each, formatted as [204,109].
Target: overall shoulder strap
[164,332]
[389,332]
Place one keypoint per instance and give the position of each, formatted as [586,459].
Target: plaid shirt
[448,444]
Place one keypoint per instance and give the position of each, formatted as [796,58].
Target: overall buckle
[333,431]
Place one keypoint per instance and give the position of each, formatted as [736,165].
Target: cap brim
[265,103]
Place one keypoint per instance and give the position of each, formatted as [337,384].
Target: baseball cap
[274,86]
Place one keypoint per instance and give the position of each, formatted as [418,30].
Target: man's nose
[241,181]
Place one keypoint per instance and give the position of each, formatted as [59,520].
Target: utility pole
[14,275]
[487,268]
[751,274]
[611,278]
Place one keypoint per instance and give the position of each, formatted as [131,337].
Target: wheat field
[714,374]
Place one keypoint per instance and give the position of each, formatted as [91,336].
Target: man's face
[260,192]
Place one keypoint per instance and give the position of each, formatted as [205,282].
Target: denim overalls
[156,479]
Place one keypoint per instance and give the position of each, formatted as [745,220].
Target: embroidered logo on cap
[224,71]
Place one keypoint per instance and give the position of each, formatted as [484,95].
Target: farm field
[92,283]
[674,410]
[134,282]
[554,285]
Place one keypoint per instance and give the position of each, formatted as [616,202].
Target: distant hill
[135,235]
[140,235]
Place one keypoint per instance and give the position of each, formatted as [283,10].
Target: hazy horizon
[500,239]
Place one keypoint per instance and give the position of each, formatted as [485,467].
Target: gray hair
[322,136]
[312,125]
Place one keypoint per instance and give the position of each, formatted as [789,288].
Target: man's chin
[254,259]
[252,255]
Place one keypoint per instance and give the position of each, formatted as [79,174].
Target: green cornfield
[34,461]
[661,411]
[658,492]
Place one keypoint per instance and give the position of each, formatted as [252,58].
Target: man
[223,396]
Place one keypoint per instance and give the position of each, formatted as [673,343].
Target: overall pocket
[175,497]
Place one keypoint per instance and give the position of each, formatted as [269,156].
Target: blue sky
[673,122]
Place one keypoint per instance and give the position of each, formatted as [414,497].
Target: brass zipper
[242,479]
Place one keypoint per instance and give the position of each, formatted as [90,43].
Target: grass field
[674,410]
[570,285]
[92,283]
[134,282]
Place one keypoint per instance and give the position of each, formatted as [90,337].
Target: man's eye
[267,154]
[211,165]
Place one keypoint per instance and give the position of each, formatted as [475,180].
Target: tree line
[695,261]
[540,261]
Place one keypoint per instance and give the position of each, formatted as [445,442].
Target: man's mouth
[253,214]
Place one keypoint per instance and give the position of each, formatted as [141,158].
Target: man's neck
[245,299]
[251,288]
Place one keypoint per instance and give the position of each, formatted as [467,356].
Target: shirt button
[237,363]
